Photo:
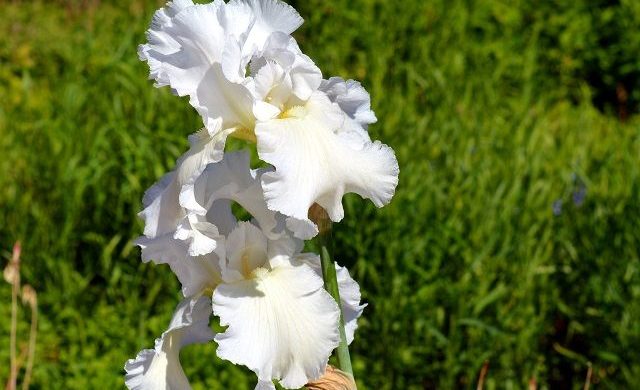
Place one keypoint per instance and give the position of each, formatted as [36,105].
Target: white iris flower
[247,77]
[282,324]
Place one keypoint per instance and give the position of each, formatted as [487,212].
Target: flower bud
[11,272]
[29,296]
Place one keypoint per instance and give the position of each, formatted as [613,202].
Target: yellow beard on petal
[246,269]
[260,273]
[293,112]
[246,134]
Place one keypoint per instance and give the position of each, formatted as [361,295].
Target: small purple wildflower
[579,195]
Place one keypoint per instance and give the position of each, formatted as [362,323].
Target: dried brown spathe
[333,379]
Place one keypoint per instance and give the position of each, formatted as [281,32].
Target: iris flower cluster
[245,75]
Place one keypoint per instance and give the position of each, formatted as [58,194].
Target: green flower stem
[330,278]
[331,285]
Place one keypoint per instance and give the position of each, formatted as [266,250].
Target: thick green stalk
[331,285]
[330,278]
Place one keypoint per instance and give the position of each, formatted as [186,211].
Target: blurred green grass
[499,113]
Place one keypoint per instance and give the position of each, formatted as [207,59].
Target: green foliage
[596,41]
[491,108]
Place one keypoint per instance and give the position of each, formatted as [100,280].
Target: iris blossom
[281,323]
[247,77]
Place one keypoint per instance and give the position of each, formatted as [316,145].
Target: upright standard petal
[193,49]
[198,274]
[268,16]
[317,161]
[159,368]
[246,251]
[231,179]
[216,98]
[202,50]
[183,41]
[303,74]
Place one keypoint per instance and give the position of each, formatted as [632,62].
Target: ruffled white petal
[185,241]
[162,210]
[183,42]
[216,98]
[159,368]
[282,324]
[349,293]
[269,16]
[274,15]
[161,43]
[202,51]
[162,249]
[161,207]
[171,204]
[203,236]
[352,98]
[195,274]
[231,179]
[317,161]
[305,77]
[165,218]
[192,48]
[205,146]
[350,300]
[303,229]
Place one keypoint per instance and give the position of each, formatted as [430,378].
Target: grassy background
[514,235]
